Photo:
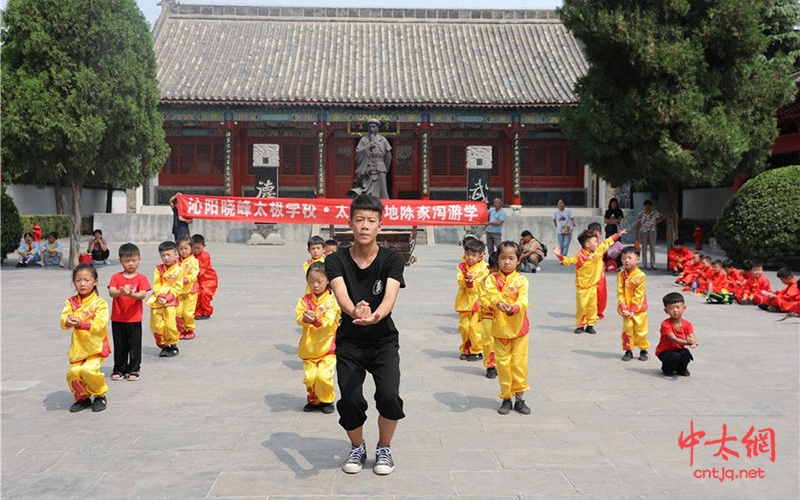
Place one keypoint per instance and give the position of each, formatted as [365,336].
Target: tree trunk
[672,211]
[109,198]
[59,196]
[75,215]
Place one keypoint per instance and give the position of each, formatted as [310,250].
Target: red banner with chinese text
[329,211]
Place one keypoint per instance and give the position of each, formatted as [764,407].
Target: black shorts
[352,364]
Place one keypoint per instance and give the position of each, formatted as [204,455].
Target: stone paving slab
[224,419]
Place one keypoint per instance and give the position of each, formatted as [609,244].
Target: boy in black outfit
[366,279]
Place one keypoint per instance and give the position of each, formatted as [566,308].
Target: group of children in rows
[183,286]
[721,282]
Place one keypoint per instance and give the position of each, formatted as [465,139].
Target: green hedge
[762,220]
[11,225]
[62,224]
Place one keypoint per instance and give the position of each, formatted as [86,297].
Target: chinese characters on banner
[329,211]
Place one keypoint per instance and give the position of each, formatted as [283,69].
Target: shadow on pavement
[59,400]
[313,449]
[459,403]
[284,402]
[598,354]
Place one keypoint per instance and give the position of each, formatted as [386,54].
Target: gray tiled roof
[380,56]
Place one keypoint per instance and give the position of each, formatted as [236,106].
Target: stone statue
[373,157]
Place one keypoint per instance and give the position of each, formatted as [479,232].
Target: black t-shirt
[179,227]
[366,284]
[614,213]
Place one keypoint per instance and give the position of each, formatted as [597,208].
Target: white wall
[706,203]
[34,200]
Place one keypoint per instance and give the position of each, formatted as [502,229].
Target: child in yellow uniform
[588,262]
[187,299]
[632,305]
[508,294]
[487,316]
[163,303]
[87,315]
[316,249]
[318,313]
[470,274]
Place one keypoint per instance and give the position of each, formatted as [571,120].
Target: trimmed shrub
[11,225]
[762,220]
[62,224]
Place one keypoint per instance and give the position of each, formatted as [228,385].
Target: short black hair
[167,245]
[785,272]
[467,238]
[510,244]
[129,250]
[81,267]
[368,203]
[53,234]
[648,202]
[630,249]
[673,298]
[182,238]
[198,238]
[594,226]
[525,233]
[474,245]
[493,259]
[748,264]
[331,243]
[315,240]
[678,242]
[717,263]
[705,257]
[316,266]
[754,263]
[727,263]
[585,236]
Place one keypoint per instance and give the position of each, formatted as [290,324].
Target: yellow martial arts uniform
[588,269]
[187,299]
[468,305]
[306,265]
[167,284]
[89,347]
[487,316]
[510,331]
[318,345]
[631,297]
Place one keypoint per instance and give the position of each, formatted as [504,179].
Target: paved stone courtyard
[224,420]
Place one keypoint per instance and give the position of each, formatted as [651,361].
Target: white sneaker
[40,263]
[61,264]
[384,464]
[538,269]
[355,461]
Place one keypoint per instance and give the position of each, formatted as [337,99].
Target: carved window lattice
[573,164]
[557,161]
[289,155]
[171,167]
[525,167]
[187,158]
[540,161]
[203,159]
[402,160]
[344,160]
[307,156]
[458,160]
[439,160]
[218,161]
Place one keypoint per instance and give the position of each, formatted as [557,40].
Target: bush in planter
[762,220]
[11,225]
[62,224]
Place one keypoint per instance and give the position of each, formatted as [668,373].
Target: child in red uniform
[207,279]
[785,300]
[752,289]
[86,314]
[698,281]
[678,256]
[690,270]
[677,334]
[735,278]
[716,289]
[128,290]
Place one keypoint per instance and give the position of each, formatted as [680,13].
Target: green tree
[781,20]
[11,226]
[677,93]
[79,96]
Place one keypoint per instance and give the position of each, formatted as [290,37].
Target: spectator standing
[613,217]
[180,225]
[494,228]
[564,222]
[646,226]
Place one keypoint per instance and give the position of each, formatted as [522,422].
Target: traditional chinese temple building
[244,87]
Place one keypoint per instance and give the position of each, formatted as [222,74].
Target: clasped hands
[364,315]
